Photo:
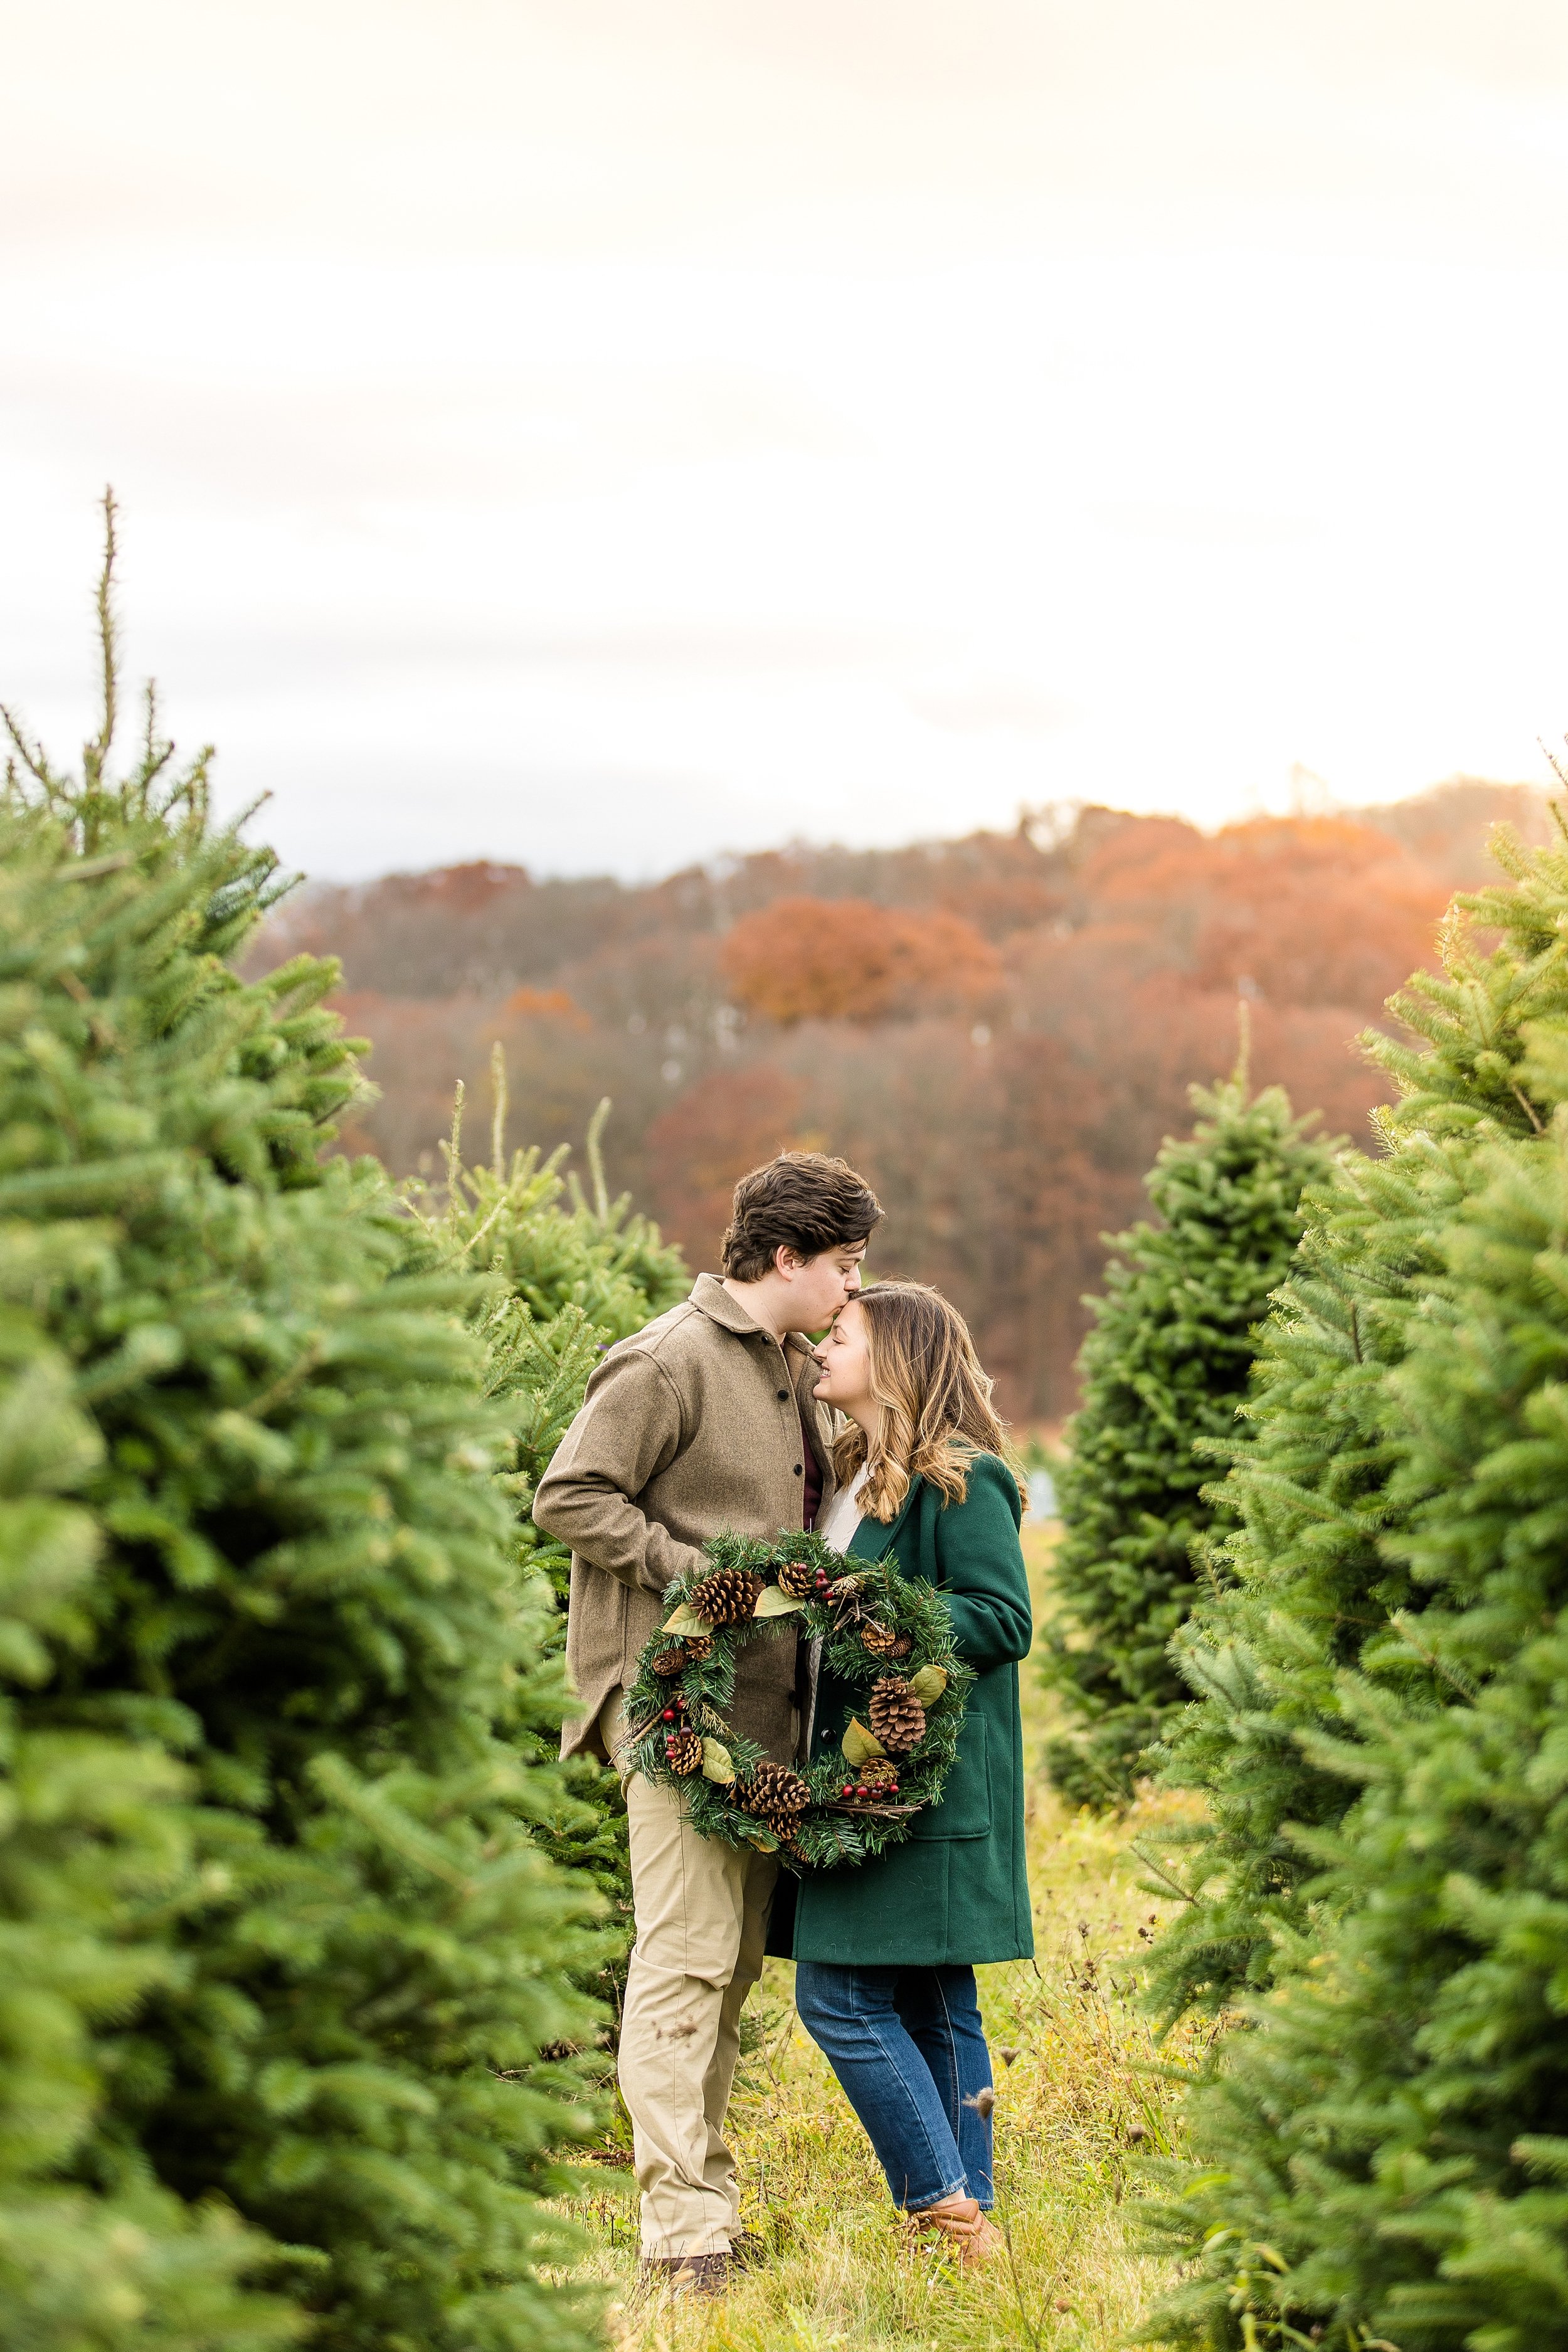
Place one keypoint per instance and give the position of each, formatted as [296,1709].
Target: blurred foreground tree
[1379,2153]
[291,1993]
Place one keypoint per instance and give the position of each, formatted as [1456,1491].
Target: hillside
[997,1029]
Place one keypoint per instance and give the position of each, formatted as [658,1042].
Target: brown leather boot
[702,2275]
[959,2220]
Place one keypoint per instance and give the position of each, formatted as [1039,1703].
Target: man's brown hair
[802,1201]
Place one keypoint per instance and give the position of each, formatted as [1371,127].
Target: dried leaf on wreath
[859,1744]
[716,1761]
[776,1602]
[685,1621]
[929,1685]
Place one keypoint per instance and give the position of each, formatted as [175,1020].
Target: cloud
[978,704]
[602,434]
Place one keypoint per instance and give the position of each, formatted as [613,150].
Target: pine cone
[879,1775]
[728,1597]
[677,1657]
[898,1718]
[775,1794]
[880,1639]
[903,1645]
[798,1578]
[683,1750]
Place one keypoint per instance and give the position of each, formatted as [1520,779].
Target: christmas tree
[1311,1571]
[1380,2155]
[1163,1371]
[89,1825]
[346,2009]
[567,1276]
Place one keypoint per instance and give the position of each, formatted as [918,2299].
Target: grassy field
[1075,2109]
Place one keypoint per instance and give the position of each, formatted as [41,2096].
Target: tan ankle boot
[974,2237]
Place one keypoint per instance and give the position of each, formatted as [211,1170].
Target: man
[703,1421]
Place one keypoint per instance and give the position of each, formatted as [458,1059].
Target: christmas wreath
[889,1640]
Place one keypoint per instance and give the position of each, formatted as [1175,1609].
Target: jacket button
[798,1471]
[783,1395]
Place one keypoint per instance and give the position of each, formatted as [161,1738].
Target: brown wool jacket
[688,1428]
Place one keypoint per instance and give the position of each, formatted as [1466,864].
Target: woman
[885,1954]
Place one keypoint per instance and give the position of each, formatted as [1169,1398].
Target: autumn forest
[998,1029]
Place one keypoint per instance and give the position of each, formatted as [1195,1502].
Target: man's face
[820,1285]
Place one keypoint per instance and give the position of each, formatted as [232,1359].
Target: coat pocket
[965,1808]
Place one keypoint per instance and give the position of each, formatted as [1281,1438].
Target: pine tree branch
[1161,1873]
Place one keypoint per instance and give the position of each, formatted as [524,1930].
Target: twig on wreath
[628,1735]
[848,1601]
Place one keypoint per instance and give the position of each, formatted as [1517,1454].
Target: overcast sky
[608,433]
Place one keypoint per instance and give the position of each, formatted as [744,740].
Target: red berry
[862,1793]
[670,1715]
[847,1789]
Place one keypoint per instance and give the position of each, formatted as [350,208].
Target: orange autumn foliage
[847,959]
[1298,911]
[544,1003]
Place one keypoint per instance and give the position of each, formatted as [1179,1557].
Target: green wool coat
[957,1890]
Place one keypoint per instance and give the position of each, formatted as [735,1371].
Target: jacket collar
[871,1540]
[709,1294]
[710,1298]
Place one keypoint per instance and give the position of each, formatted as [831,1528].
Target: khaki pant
[701,1914]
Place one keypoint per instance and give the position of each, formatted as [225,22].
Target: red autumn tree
[847,959]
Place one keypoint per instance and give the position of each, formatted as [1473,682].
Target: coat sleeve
[981,1564]
[626,1433]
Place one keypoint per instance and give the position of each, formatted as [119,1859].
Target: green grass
[1075,2110]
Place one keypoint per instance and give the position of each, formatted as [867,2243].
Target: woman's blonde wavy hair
[936,1413]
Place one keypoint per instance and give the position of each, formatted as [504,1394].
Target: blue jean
[908,2049]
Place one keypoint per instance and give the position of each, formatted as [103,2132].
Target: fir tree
[90,1827]
[346,2007]
[1313,1568]
[1387,2152]
[1162,1372]
[569,1276]
[1380,2155]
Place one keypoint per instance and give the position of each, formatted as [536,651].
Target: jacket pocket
[965,1808]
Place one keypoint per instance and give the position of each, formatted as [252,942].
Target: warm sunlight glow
[602,436]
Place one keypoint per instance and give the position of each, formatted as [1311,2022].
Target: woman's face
[845,1360]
